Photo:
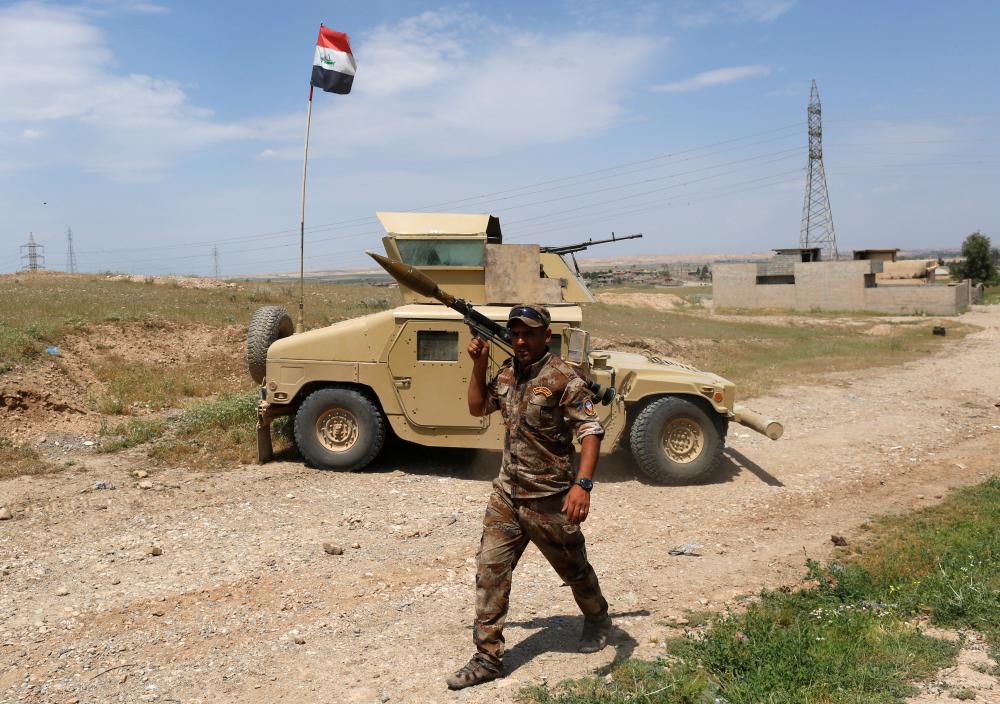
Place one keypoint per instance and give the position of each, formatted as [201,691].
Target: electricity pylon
[32,254]
[70,254]
[817,217]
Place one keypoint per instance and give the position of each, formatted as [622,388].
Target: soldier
[536,497]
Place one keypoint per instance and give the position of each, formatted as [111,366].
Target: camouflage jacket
[543,406]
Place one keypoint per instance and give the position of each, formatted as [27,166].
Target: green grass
[132,432]
[943,560]
[218,432]
[231,411]
[759,356]
[850,639]
[991,295]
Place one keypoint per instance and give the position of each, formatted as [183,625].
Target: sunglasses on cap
[525,312]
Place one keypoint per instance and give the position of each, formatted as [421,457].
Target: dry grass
[21,460]
[41,309]
[759,356]
[132,386]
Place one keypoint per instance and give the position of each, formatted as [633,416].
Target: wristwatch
[584,484]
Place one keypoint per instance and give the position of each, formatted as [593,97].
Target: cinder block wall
[832,285]
[733,285]
[915,300]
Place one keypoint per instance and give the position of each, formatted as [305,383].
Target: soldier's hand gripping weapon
[481,326]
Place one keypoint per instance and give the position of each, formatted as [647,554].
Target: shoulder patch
[543,390]
[588,408]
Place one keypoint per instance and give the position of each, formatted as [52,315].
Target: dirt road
[245,605]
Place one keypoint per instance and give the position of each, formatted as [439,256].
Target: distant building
[880,255]
[797,279]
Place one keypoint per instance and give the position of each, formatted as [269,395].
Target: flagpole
[300,325]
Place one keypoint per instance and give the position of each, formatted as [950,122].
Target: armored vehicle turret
[405,371]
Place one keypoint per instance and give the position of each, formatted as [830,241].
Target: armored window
[437,346]
[442,252]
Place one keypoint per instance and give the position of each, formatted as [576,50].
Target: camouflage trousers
[508,526]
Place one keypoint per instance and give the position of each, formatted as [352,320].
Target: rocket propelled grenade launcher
[481,326]
[416,280]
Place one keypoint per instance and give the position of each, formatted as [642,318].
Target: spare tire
[267,324]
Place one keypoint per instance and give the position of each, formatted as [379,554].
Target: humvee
[404,371]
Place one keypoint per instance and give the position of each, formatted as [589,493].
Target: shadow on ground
[560,634]
[473,464]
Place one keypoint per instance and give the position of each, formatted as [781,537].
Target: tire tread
[267,324]
[317,398]
[648,458]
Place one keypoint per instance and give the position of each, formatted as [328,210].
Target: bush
[981,259]
[233,412]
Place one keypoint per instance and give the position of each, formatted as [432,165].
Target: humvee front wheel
[339,429]
[674,440]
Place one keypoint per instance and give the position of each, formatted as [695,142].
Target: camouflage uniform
[542,407]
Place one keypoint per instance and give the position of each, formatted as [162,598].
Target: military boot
[474,672]
[595,635]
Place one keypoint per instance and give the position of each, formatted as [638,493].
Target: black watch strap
[585,484]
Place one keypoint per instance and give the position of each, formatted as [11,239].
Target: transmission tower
[70,254]
[32,254]
[215,261]
[817,217]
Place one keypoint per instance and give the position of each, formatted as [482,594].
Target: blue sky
[159,130]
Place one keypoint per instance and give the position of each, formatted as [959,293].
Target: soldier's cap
[531,314]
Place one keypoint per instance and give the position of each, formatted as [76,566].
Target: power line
[730,189]
[483,196]
[739,163]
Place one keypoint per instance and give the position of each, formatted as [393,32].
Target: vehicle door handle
[402,382]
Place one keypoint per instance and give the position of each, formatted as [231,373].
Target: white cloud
[440,84]
[735,12]
[104,7]
[715,77]
[31,134]
[454,84]
[132,124]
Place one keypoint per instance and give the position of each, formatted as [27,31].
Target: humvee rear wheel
[339,429]
[674,441]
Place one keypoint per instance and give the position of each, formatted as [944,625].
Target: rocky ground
[122,582]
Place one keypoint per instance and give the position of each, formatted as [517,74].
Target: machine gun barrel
[580,246]
[418,281]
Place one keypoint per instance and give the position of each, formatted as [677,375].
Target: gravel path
[215,587]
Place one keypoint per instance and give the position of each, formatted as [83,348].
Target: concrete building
[794,280]
[883,255]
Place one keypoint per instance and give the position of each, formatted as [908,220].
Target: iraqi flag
[333,65]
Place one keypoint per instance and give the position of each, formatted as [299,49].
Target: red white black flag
[333,65]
